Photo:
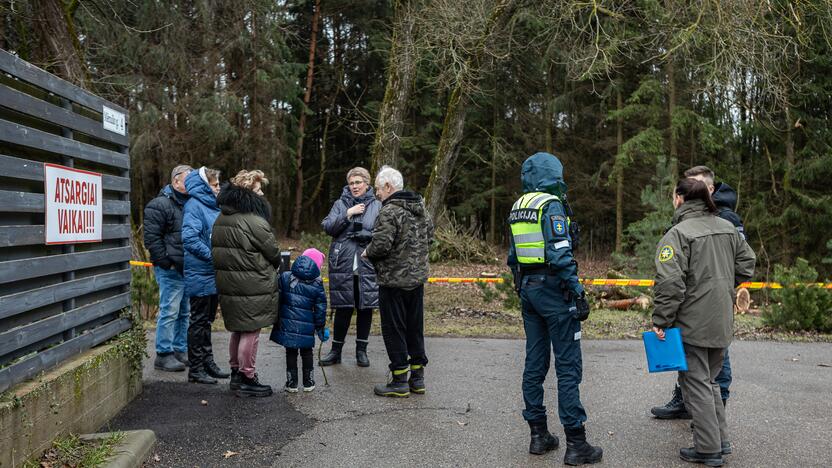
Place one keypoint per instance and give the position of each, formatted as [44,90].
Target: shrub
[799,306]
[503,292]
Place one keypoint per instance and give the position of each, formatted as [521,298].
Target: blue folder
[667,355]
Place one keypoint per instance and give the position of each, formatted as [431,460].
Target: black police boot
[674,409]
[308,381]
[291,380]
[361,354]
[578,450]
[334,355]
[542,440]
[214,370]
[198,375]
[417,379]
[168,363]
[234,384]
[707,459]
[182,356]
[251,387]
[397,387]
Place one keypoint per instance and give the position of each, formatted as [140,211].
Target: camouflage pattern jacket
[402,236]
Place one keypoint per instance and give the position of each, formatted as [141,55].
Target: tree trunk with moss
[401,73]
[456,111]
[58,50]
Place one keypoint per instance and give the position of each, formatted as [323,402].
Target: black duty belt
[535,270]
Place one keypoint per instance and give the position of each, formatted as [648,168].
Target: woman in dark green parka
[246,259]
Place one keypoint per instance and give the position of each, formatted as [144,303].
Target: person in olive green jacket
[246,259]
[699,262]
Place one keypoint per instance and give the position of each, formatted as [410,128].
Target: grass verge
[70,450]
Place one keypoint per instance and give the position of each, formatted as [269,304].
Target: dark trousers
[549,323]
[292,358]
[203,313]
[343,317]
[403,325]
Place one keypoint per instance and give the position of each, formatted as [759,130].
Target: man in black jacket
[163,239]
[725,199]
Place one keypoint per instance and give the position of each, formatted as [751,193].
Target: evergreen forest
[456,94]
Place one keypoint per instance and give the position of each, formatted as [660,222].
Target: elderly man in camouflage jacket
[399,252]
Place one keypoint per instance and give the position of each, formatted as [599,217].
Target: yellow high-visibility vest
[526,220]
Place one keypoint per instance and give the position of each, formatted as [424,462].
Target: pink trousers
[243,351]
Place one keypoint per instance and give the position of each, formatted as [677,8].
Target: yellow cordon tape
[639,283]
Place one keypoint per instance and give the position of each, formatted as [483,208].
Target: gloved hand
[582,307]
[323,334]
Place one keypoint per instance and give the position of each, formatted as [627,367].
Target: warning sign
[74,205]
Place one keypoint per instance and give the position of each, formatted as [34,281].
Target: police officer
[554,304]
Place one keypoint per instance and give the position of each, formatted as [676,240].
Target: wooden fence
[57,300]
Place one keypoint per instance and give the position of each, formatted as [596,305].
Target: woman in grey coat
[352,279]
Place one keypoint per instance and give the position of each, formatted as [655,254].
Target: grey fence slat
[17,168]
[14,236]
[26,202]
[25,301]
[26,136]
[48,358]
[31,74]
[16,270]
[30,105]
[42,329]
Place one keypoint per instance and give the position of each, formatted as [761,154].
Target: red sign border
[46,212]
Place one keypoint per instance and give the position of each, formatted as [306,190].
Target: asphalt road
[780,412]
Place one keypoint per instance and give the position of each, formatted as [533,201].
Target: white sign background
[74,205]
[113,121]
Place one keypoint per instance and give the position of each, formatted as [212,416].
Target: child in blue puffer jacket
[302,316]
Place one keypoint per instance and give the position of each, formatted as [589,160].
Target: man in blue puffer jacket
[200,212]
[302,316]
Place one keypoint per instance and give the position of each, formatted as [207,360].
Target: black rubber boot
[417,379]
[334,355]
[182,356]
[361,354]
[542,440]
[252,387]
[674,409]
[291,380]
[707,459]
[214,370]
[199,376]
[397,387]
[578,450]
[308,381]
[168,363]
[234,384]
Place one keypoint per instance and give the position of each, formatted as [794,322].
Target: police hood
[543,172]
[725,196]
